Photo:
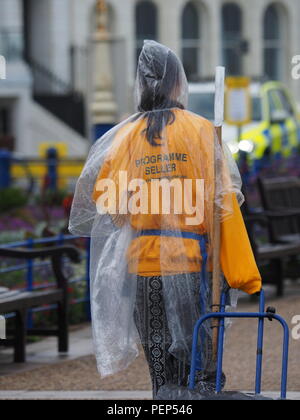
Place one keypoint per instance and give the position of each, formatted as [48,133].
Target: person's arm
[237,259]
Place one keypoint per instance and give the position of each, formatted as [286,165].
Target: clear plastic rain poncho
[147,197]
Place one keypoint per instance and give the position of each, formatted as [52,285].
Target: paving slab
[45,352]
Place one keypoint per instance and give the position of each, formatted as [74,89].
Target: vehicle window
[279,100]
[256,108]
[202,104]
[273,102]
[286,104]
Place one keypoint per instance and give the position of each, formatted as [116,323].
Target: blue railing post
[220,345]
[52,164]
[29,281]
[5,168]
[88,257]
[60,239]
[285,357]
[260,338]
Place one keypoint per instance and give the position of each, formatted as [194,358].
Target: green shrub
[12,198]
[51,197]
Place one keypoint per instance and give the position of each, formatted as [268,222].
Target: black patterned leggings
[151,322]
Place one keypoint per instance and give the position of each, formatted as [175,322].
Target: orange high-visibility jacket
[144,254]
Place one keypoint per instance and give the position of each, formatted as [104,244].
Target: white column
[11,22]
[60,29]
[124,56]
[11,14]
[253,20]
[50,36]
[125,28]
[103,107]
[212,36]
[293,47]
[82,20]
[40,31]
[169,23]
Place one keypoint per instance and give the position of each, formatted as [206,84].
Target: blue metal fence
[30,265]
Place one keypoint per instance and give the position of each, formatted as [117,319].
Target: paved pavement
[100,395]
[50,375]
[45,352]
[75,395]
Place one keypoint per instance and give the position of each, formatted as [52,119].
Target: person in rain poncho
[147,197]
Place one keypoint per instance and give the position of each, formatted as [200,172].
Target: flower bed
[45,216]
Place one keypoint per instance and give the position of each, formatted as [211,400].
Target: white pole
[216,283]
[219,96]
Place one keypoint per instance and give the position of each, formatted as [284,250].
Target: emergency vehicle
[271,142]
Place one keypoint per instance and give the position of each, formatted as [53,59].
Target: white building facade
[256,38]
[47,44]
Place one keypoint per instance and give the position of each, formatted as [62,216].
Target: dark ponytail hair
[159,94]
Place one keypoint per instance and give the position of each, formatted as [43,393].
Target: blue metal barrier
[29,266]
[52,164]
[87,297]
[29,281]
[5,168]
[99,130]
[261,316]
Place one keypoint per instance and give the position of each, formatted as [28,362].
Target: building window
[191,41]
[272,43]
[145,24]
[232,38]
